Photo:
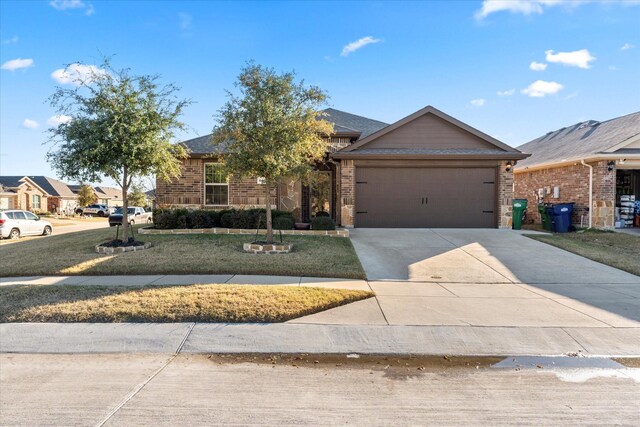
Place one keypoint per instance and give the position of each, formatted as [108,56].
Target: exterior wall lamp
[510,165]
[610,165]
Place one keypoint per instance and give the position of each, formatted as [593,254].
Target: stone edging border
[119,250]
[342,232]
[259,248]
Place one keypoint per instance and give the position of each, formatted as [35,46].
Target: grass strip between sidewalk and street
[617,250]
[74,254]
[191,303]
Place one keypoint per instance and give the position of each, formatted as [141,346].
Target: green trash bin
[519,209]
[545,219]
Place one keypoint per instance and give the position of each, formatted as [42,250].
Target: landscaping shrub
[322,223]
[228,218]
[321,214]
[283,222]
[202,219]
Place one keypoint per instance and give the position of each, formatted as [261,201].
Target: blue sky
[514,69]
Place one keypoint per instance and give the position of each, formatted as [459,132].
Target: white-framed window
[36,202]
[216,185]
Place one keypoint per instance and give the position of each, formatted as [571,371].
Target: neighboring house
[109,196]
[426,170]
[60,199]
[566,163]
[21,192]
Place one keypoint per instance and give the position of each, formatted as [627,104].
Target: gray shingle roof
[343,122]
[580,140]
[202,145]
[52,186]
[11,181]
[351,122]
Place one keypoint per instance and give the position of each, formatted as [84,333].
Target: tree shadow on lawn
[73,254]
[167,303]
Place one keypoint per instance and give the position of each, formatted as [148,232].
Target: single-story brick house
[590,163]
[21,192]
[60,198]
[425,170]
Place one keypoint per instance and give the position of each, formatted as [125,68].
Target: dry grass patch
[615,249]
[74,254]
[194,303]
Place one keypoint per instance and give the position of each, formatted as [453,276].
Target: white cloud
[478,102]
[525,7]
[76,73]
[627,46]
[578,58]
[540,89]
[57,120]
[358,44]
[29,124]
[73,4]
[538,66]
[12,40]
[506,92]
[529,7]
[16,64]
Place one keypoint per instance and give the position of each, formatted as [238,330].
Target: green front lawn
[194,303]
[615,249]
[73,254]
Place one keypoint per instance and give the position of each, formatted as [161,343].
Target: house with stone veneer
[425,170]
[590,163]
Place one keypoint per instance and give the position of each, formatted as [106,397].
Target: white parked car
[16,223]
[99,210]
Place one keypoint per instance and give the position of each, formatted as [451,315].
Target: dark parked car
[137,215]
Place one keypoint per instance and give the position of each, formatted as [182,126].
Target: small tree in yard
[272,129]
[137,197]
[120,127]
[86,195]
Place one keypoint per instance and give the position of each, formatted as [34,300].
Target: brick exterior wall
[347,192]
[573,181]
[505,197]
[188,190]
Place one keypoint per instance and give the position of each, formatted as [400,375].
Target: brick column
[505,196]
[347,192]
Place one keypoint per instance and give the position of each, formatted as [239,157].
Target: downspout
[590,192]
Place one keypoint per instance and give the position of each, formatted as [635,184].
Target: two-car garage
[429,197]
[427,170]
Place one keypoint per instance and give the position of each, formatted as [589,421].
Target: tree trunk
[268,209]
[125,207]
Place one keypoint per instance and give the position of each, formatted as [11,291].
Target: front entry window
[216,185]
[36,202]
[321,194]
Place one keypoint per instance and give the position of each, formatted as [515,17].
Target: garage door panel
[425,197]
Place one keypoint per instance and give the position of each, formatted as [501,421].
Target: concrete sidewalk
[175,338]
[188,279]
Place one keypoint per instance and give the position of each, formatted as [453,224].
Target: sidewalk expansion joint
[135,391]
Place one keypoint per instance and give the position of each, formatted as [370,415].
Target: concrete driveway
[474,256]
[484,278]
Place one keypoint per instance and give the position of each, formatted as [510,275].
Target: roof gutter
[590,192]
[370,156]
[567,162]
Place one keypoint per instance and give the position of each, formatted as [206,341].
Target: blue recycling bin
[562,216]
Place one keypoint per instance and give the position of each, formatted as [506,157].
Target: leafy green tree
[137,197]
[120,127]
[272,129]
[86,195]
